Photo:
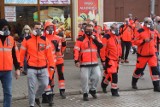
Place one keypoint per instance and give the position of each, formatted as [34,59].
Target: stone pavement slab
[142,98]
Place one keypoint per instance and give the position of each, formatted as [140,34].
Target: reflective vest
[6,58]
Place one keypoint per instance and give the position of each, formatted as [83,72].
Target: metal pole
[152,7]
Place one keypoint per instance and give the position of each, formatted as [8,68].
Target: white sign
[54,1]
[10,13]
[20,1]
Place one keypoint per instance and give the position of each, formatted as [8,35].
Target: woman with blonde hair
[25,32]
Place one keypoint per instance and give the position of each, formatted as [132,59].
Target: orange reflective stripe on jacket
[6,58]
[39,53]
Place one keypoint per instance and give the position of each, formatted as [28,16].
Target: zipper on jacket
[116,40]
[37,50]
[3,54]
[89,44]
[28,59]
[141,50]
[3,57]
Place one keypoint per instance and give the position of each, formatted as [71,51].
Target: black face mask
[95,24]
[127,23]
[39,32]
[116,32]
[50,31]
[88,33]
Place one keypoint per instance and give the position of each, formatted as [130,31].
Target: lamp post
[152,8]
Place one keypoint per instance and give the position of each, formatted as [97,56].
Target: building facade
[117,10]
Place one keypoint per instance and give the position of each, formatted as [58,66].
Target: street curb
[72,93]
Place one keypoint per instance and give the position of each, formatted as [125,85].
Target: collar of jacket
[145,28]
[33,36]
[111,34]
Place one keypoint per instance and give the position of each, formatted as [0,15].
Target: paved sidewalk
[142,98]
[72,76]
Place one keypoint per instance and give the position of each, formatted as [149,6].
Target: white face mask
[5,33]
[148,25]
[113,32]
[34,32]
[1,33]
[26,31]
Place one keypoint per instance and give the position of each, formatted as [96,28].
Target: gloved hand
[93,36]
[51,82]
[104,65]
[1,33]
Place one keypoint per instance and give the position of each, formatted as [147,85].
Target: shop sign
[88,9]
[10,13]
[20,1]
[54,1]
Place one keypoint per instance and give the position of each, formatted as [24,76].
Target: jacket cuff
[51,67]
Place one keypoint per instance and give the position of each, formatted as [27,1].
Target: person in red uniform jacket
[126,33]
[85,56]
[146,54]
[131,21]
[48,95]
[59,45]
[39,55]
[9,55]
[110,54]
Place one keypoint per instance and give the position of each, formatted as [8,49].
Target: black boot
[93,93]
[134,83]
[38,102]
[156,86]
[103,86]
[62,93]
[134,50]
[50,99]
[44,98]
[85,97]
[115,92]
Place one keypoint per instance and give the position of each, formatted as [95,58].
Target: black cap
[3,23]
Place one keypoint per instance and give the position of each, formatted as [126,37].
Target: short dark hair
[35,23]
[88,25]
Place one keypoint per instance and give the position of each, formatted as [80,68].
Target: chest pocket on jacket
[55,43]
[41,46]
